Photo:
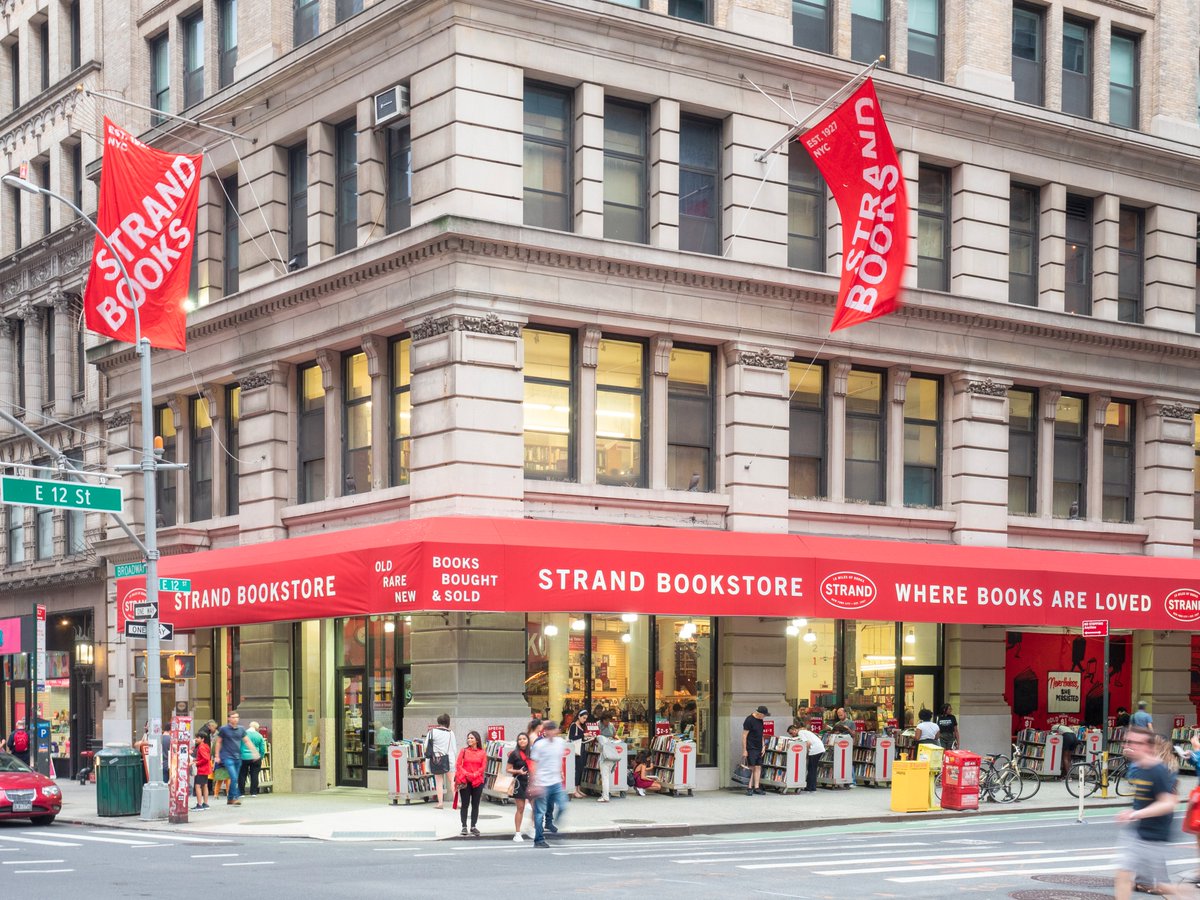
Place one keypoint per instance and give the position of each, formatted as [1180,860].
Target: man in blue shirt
[1141,718]
[1144,843]
[230,738]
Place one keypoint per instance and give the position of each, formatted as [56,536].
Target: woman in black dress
[577,736]
[519,769]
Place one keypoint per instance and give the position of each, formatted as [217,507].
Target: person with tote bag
[608,756]
[440,749]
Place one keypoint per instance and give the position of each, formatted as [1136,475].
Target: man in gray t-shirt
[546,783]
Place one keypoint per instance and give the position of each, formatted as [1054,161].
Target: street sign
[145,610]
[128,570]
[138,630]
[1095,628]
[174,585]
[67,494]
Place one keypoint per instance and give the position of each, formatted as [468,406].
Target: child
[203,757]
[643,776]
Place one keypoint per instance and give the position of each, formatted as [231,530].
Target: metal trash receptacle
[118,782]
[912,786]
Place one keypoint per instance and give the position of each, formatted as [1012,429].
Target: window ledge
[369,505]
[869,514]
[609,498]
[1046,526]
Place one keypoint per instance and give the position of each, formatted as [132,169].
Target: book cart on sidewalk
[673,761]
[409,777]
[497,764]
[785,764]
[591,770]
[1042,751]
[1182,740]
[836,769]
[874,758]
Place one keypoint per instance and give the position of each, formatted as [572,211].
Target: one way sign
[138,630]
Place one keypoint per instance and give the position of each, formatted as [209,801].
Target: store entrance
[351,770]
[922,690]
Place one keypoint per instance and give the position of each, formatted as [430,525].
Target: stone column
[467,417]
[372,178]
[589,160]
[1052,67]
[1166,481]
[1162,675]
[757,437]
[655,454]
[664,174]
[979,459]
[893,442]
[910,165]
[766,19]
[1052,248]
[265,176]
[1045,450]
[755,216]
[979,232]
[33,363]
[753,671]
[1094,488]
[1106,237]
[839,376]
[64,329]
[8,374]
[1170,268]
[331,380]
[322,192]
[265,449]
[589,350]
[376,349]
[1101,71]
[267,691]
[975,668]
[978,40]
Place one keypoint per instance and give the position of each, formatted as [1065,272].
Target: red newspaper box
[960,780]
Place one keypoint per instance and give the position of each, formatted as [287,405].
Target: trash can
[960,780]
[912,786]
[118,782]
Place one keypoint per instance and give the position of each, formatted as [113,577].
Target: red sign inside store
[768,728]
[662,728]
[816,724]
[495,732]
[1179,722]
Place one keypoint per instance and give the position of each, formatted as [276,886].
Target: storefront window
[369,655]
[401,409]
[549,397]
[683,686]
[306,692]
[620,411]
[812,666]
[555,686]
[870,649]
[381,634]
[620,676]
[233,667]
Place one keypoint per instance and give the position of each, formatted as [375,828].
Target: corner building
[515,269]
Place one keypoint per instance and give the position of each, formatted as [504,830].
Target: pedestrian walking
[1141,718]
[947,724]
[814,749]
[576,736]
[469,771]
[440,750]
[550,798]
[752,748]
[230,738]
[18,743]
[608,738]
[519,767]
[253,751]
[1144,843]
[202,761]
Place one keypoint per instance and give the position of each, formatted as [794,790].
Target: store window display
[306,692]
[870,649]
[812,665]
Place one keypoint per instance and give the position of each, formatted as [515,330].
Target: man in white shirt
[546,785]
[814,747]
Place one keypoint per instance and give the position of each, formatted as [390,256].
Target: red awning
[520,565]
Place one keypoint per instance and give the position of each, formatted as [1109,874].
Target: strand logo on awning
[848,590]
[1183,604]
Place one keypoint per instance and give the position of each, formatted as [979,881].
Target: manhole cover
[1058,895]
[1075,880]
[633,822]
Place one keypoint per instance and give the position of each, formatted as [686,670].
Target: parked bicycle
[999,781]
[1085,777]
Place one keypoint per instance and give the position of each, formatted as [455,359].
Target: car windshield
[12,764]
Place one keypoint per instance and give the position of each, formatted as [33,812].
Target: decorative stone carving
[589,346]
[1050,398]
[431,327]
[841,377]
[660,351]
[491,324]
[1100,409]
[328,361]
[1177,411]
[119,419]
[42,273]
[255,380]
[762,359]
[987,388]
[898,377]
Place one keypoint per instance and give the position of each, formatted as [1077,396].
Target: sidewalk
[359,814]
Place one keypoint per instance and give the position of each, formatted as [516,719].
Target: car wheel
[42,820]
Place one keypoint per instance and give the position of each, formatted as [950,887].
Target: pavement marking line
[301,841]
[967,864]
[434,854]
[31,862]
[816,863]
[798,847]
[163,836]
[213,855]
[265,862]
[39,871]
[129,842]
[1024,872]
[41,842]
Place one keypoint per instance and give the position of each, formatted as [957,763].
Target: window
[690,420]
[810,24]
[310,485]
[200,460]
[193,60]
[344,9]
[1118,462]
[864,436]
[19,354]
[1022,451]
[74,34]
[699,180]
[401,461]
[1078,275]
[1077,68]
[160,77]
[620,412]
[922,441]
[1130,272]
[14,203]
[806,430]
[692,10]
[868,30]
[164,427]
[625,197]
[399,179]
[1023,212]
[1070,457]
[15,522]
[305,20]
[74,518]
[933,229]
[549,405]
[48,355]
[306,693]
[227,42]
[233,420]
[232,238]
[43,36]
[547,162]
[925,38]
[346,208]
[356,424]
[806,211]
[1028,55]
[44,181]
[75,154]
[298,207]
[1123,80]
[14,72]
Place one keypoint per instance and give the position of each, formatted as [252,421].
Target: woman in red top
[470,769]
[203,758]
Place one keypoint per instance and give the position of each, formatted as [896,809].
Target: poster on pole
[180,769]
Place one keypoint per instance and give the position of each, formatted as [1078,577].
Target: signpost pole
[1104,726]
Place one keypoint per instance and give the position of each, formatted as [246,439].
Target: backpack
[20,741]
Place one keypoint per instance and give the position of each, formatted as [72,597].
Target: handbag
[439,763]
[1191,818]
[504,784]
[609,751]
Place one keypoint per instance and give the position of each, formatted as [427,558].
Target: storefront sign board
[10,636]
[495,732]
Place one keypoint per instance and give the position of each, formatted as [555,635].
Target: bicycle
[1087,774]
[997,784]
[1031,781]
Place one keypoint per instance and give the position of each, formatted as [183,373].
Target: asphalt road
[1036,856]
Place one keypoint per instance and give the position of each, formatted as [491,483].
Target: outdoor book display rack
[409,777]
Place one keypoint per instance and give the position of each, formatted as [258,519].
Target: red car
[25,794]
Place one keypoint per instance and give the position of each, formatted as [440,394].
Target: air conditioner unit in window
[391,104]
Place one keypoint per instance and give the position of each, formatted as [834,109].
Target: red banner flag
[855,154]
[148,212]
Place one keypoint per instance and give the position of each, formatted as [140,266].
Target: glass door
[922,690]
[350,769]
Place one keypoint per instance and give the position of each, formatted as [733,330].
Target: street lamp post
[154,797]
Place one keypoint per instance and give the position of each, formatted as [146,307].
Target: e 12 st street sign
[66,494]
[138,630]
[174,585]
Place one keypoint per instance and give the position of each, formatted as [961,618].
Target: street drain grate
[1090,881]
[1058,895]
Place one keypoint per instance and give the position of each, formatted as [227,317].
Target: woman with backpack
[18,743]
[440,750]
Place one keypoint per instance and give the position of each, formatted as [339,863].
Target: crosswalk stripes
[893,862]
[162,836]
[92,838]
